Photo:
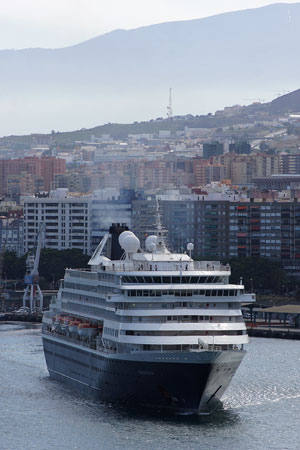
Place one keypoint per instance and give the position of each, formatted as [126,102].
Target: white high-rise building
[67,221]
[74,221]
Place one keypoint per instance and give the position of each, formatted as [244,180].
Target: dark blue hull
[184,382]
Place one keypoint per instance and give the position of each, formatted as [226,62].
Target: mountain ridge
[125,75]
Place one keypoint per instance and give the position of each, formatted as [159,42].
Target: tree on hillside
[51,267]
[13,267]
[54,262]
[258,273]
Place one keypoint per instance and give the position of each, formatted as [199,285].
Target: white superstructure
[154,300]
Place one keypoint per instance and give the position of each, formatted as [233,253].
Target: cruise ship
[153,328]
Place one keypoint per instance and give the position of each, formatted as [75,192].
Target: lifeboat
[87,329]
[92,331]
[65,323]
[83,329]
[73,326]
[57,320]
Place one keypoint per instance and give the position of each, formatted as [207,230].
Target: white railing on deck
[165,266]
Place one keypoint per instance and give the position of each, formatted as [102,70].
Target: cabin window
[175,280]
[166,280]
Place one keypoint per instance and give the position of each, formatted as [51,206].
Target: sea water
[261,408]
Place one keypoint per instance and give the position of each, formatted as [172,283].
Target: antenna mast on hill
[169,108]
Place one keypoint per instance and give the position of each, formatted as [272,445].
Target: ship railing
[92,344]
[211,266]
[165,349]
[191,322]
[122,266]
[75,338]
[129,266]
[84,269]
[172,308]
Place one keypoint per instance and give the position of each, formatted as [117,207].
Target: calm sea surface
[261,408]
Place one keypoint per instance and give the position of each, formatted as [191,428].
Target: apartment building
[200,218]
[212,148]
[67,221]
[223,226]
[74,221]
[11,235]
[268,229]
[290,163]
[74,182]
[206,172]
[14,171]
[241,169]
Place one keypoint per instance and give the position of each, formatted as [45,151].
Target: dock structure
[275,333]
[279,322]
[13,317]
[290,312]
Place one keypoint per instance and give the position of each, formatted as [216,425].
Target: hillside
[287,103]
[124,76]
[121,131]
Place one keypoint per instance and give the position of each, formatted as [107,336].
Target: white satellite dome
[150,240]
[131,243]
[190,246]
[151,247]
[124,235]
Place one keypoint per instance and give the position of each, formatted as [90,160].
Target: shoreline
[10,317]
[273,333]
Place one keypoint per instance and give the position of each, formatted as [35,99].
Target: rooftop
[285,309]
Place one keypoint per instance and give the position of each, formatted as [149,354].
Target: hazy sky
[59,23]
